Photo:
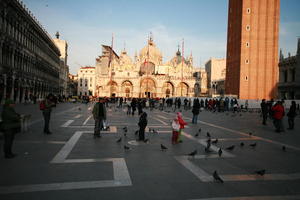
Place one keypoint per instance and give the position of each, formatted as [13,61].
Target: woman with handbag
[11,124]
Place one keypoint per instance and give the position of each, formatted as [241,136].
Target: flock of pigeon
[207,149]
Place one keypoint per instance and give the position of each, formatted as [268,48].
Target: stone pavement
[71,164]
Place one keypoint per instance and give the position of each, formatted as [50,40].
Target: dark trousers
[9,136]
[278,125]
[47,121]
[98,126]
[133,110]
[291,122]
[175,137]
[195,118]
[265,116]
[142,133]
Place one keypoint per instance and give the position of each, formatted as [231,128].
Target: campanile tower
[252,49]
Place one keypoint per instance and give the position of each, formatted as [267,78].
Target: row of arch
[148,88]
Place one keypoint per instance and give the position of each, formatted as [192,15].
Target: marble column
[23,94]
[4,89]
[12,93]
[18,92]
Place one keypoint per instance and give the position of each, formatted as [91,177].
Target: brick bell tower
[252,49]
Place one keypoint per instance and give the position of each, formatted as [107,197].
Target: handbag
[105,125]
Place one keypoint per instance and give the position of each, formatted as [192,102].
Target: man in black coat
[195,111]
[264,111]
[11,124]
[142,124]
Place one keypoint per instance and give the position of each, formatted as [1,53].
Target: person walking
[11,124]
[99,115]
[133,106]
[139,107]
[195,111]
[291,115]
[46,107]
[264,111]
[142,124]
[182,123]
[278,113]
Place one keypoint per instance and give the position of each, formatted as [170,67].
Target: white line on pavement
[67,123]
[160,116]
[89,117]
[164,123]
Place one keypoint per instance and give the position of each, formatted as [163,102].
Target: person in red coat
[278,113]
[182,123]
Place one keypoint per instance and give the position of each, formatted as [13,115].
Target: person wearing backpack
[46,108]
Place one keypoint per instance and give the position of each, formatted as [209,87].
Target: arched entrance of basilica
[182,89]
[127,89]
[168,89]
[112,87]
[148,88]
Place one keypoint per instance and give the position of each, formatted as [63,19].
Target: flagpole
[110,64]
[182,60]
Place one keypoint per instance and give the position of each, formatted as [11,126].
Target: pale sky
[86,24]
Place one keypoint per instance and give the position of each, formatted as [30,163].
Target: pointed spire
[135,56]
[298,47]
[57,35]
[150,39]
[178,53]
[280,55]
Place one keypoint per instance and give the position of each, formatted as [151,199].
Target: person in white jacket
[175,127]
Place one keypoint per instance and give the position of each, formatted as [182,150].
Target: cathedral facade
[146,75]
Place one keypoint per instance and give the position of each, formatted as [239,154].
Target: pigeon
[283,148]
[163,147]
[242,144]
[146,140]
[119,140]
[253,145]
[215,141]
[126,147]
[230,148]
[217,178]
[136,132]
[199,130]
[207,134]
[125,129]
[193,153]
[261,172]
[197,134]
[220,152]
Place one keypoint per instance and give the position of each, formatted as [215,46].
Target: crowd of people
[11,120]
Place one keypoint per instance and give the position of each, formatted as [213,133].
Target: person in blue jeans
[195,111]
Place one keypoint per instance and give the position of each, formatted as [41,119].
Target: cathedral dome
[125,59]
[151,53]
